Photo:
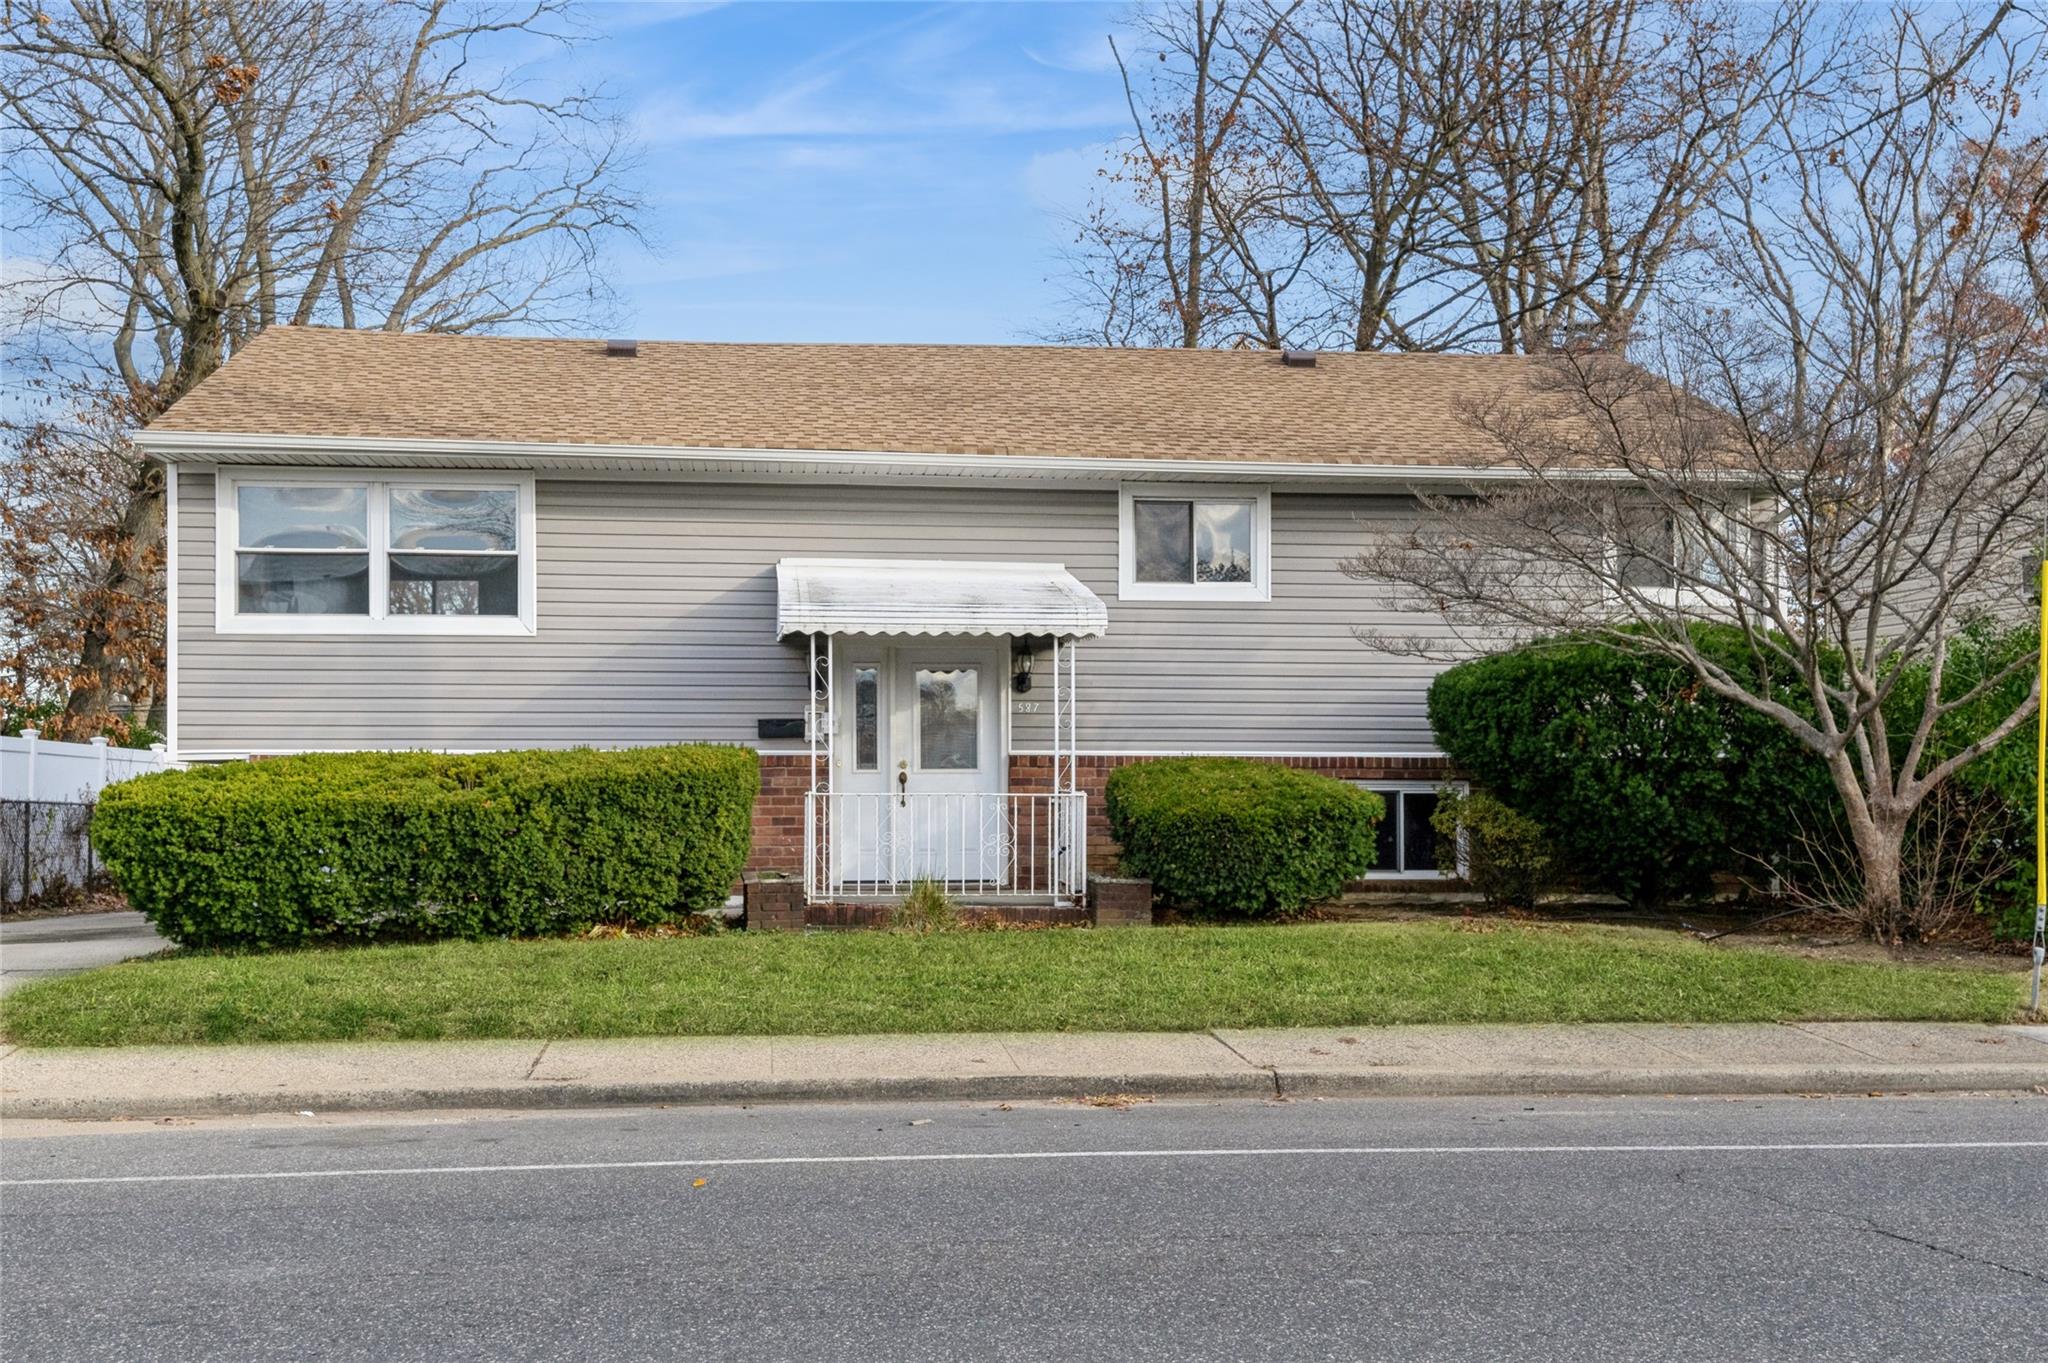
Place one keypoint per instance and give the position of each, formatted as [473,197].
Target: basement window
[1407,841]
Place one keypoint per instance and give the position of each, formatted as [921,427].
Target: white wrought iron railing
[1016,845]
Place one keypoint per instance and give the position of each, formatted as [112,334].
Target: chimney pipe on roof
[1298,359]
[628,349]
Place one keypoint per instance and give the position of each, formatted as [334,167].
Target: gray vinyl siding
[656,613]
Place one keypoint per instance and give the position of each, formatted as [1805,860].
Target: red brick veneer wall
[779,813]
[779,810]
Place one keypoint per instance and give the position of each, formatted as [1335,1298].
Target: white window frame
[1414,788]
[1260,588]
[229,619]
[1689,597]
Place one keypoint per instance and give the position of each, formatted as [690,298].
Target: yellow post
[2041,801]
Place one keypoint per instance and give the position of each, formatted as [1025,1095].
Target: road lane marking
[998,1156]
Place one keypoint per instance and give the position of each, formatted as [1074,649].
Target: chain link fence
[45,854]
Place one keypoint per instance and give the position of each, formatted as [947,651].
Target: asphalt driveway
[43,947]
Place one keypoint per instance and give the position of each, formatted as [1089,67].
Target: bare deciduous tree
[184,173]
[1368,104]
[1854,457]
[1188,251]
[1603,129]
[1421,175]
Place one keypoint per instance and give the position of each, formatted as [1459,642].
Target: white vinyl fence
[47,791]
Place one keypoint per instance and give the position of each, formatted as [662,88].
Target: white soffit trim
[933,596]
[356,451]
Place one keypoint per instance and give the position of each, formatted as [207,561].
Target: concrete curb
[1268,1083]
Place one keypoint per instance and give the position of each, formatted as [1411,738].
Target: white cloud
[1061,182]
[816,109]
[917,76]
[34,294]
[1083,53]
[623,16]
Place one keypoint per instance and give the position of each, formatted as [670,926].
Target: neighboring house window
[304,552]
[1647,549]
[1407,842]
[1654,554]
[1194,542]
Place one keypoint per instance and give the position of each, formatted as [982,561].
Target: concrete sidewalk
[1411,1061]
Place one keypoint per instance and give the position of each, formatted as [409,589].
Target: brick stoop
[774,903]
[875,914]
[1120,902]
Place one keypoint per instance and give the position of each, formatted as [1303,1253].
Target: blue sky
[855,172]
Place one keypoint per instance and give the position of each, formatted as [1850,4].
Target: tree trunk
[1880,853]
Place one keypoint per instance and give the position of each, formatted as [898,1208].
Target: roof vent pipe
[628,349]
[1298,359]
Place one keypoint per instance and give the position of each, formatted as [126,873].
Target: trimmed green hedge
[1232,835]
[1645,782]
[344,846]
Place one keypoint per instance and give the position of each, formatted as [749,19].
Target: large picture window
[305,552]
[1194,542]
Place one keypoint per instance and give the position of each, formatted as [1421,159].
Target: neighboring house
[1005,569]
[2002,466]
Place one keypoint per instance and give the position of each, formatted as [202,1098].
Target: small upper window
[317,553]
[1194,542]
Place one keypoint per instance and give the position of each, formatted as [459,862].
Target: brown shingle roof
[1375,409]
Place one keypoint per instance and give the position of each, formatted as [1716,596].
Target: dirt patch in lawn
[1807,936]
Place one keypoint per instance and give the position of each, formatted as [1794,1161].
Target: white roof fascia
[201,447]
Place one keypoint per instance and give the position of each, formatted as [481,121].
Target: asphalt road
[1899,1229]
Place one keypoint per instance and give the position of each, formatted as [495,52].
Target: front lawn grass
[1171,979]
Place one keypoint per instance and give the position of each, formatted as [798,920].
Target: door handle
[902,786]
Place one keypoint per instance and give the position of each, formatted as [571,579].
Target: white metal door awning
[933,596]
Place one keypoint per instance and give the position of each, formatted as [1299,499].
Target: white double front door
[920,761]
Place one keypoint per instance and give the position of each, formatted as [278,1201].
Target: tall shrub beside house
[1231,835]
[1646,783]
[352,846]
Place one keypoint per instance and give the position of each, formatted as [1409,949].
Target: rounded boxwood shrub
[363,845]
[1232,835]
